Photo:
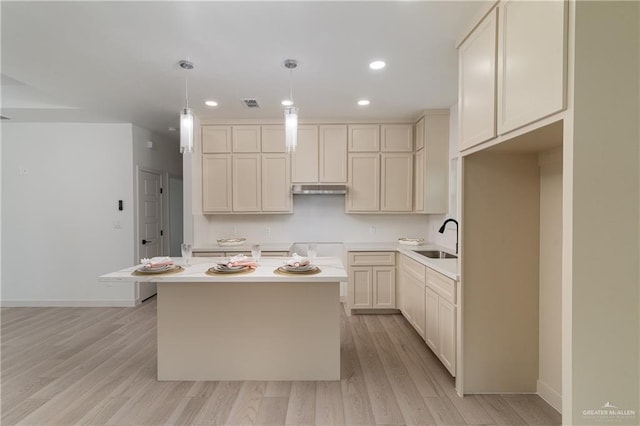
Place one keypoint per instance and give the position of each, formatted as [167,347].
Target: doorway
[150,219]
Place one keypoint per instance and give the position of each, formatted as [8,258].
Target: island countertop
[331,270]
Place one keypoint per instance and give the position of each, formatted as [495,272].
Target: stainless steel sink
[437,254]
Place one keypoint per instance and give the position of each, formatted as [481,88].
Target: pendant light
[186,115]
[291,112]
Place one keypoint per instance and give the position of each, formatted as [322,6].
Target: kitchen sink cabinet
[372,280]
[427,299]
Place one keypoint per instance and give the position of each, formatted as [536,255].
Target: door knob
[146,241]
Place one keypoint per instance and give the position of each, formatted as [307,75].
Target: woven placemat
[280,271]
[174,270]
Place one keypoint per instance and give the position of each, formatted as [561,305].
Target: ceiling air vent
[250,103]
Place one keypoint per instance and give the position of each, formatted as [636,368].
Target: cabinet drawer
[415,269]
[371,258]
[444,286]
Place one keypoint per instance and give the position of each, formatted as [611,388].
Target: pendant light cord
[291,85]
[186,90]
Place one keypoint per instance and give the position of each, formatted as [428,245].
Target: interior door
[149,222]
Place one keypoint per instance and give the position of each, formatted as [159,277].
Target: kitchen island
[252,326]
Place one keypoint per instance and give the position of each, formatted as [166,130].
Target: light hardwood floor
[97,366]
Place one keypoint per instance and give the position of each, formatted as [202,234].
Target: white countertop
[448,267]
[332,270]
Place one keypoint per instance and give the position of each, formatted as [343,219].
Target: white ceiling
[118,61]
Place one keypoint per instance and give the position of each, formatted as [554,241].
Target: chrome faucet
[441,230]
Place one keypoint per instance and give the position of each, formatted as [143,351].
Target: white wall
[550,299]
[315,218]
[61,225]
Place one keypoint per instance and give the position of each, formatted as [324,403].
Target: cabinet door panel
[304,158]
[246,138]
[276,183]
[216,139]
[396,183]
[418,304]
[273,138]
[531,62]
[364,138]
[360,282]
[246,183]
[333,154]
[431,320]
[447,335]
[364,183]
[477,84]
[384,287]
[396,138]
[216,183]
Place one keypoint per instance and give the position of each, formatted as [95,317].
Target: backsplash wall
[318,218]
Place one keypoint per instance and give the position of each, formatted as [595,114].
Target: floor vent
[250,103]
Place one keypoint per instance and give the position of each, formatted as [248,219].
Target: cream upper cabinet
[276,183]
[364,183]
[396,180]
[216,139]
[333,153]
[304,158]
[396,138]
[246,139]
[216,183]
[364,137]
[419,134]
[532,39]
[246,182]
[477,84]
[273,138]
[431,177]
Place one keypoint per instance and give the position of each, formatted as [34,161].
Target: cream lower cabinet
[427,299]
[412,288]
[372,280]
[440,318]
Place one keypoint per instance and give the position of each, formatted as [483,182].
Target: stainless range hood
[319,189]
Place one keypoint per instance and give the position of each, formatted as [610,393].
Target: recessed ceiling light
[211,103]
[363,102]
[287,102]
[377,65]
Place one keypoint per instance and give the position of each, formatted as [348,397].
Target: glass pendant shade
[186,131]
[291,128]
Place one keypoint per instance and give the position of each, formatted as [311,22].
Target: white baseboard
[552,397]
[66,303]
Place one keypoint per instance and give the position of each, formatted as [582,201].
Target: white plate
[224,267]
[304,268]
[226,270]
[156,269]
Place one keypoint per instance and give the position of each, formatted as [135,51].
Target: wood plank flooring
[97,366]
